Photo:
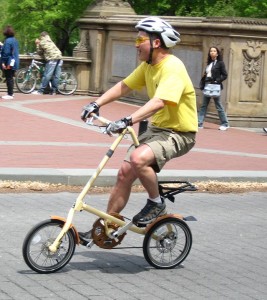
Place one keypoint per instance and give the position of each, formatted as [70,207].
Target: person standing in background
[9,60]
[46,47]
[215,73]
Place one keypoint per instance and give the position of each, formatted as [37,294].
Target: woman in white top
[215,73]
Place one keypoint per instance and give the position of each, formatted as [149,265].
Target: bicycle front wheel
[67,83]
[25,81]
[167,243]
[36,251]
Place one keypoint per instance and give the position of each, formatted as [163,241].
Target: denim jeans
[204,108]
[51,74]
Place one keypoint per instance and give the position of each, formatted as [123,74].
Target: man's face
[142,45]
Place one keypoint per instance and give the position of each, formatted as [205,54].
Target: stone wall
[109,33]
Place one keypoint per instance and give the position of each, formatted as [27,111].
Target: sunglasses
[141,39]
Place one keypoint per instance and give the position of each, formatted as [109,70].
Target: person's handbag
[212,90]
[202,83]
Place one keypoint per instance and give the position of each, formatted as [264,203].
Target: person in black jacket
[215,73]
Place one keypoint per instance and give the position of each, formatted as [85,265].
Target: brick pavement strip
[228,259]
[52,144]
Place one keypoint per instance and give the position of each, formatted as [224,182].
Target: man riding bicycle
[173,112]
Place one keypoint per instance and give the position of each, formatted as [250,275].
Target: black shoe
[151,211]
[53,92]
[85,237]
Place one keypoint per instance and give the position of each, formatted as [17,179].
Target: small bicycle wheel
[167,243]
[67,83]
[35,247]
[25,81]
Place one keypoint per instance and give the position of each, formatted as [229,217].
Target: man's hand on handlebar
[92,107]
[119,126]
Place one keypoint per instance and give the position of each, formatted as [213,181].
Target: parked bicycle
[28,79]
[50,245]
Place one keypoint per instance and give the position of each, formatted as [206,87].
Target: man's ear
[156,43]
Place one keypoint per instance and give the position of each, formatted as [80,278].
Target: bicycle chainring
[99,233]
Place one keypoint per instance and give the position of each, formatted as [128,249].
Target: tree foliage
[202,8]
[57,17]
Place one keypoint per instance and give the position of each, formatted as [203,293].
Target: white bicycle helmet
[169,36]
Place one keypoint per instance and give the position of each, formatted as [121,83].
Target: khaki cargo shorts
[165,143]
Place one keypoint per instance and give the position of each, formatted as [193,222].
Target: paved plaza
[228,259]
[43,138]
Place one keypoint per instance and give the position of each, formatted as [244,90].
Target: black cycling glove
[119,126]
[92,107]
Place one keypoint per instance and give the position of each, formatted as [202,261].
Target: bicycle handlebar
[105,122]
[102,120]
[32,53]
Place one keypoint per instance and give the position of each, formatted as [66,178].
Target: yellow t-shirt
[168,80]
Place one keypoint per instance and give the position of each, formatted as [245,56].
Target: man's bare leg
[121,191]
[141,160]
[118,198]
[140,167]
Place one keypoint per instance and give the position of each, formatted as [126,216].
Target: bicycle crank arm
[122,230]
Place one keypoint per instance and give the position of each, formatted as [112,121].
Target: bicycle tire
[25,81]
[67,83]
[35,247]
[167,243]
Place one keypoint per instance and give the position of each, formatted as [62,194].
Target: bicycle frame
[35,64]
[79,205]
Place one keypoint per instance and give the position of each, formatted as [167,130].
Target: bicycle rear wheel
[167,243]
[25,81]
[67,83]
[36,251]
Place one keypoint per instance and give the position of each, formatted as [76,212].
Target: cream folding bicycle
[50,244]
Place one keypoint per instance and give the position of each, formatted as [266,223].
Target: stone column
[92,26]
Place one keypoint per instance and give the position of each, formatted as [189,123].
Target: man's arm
[39,50]
[118,90]
[144,112]
[147,110]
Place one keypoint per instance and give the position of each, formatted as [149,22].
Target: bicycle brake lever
[89,121]
[104,130]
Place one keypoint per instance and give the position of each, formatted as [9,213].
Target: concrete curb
[108,177]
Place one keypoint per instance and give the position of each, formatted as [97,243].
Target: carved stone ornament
[84,40]
[252,62]
[83,48]
[215,42]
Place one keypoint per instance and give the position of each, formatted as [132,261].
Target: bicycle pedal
[140,225]
[87,244]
